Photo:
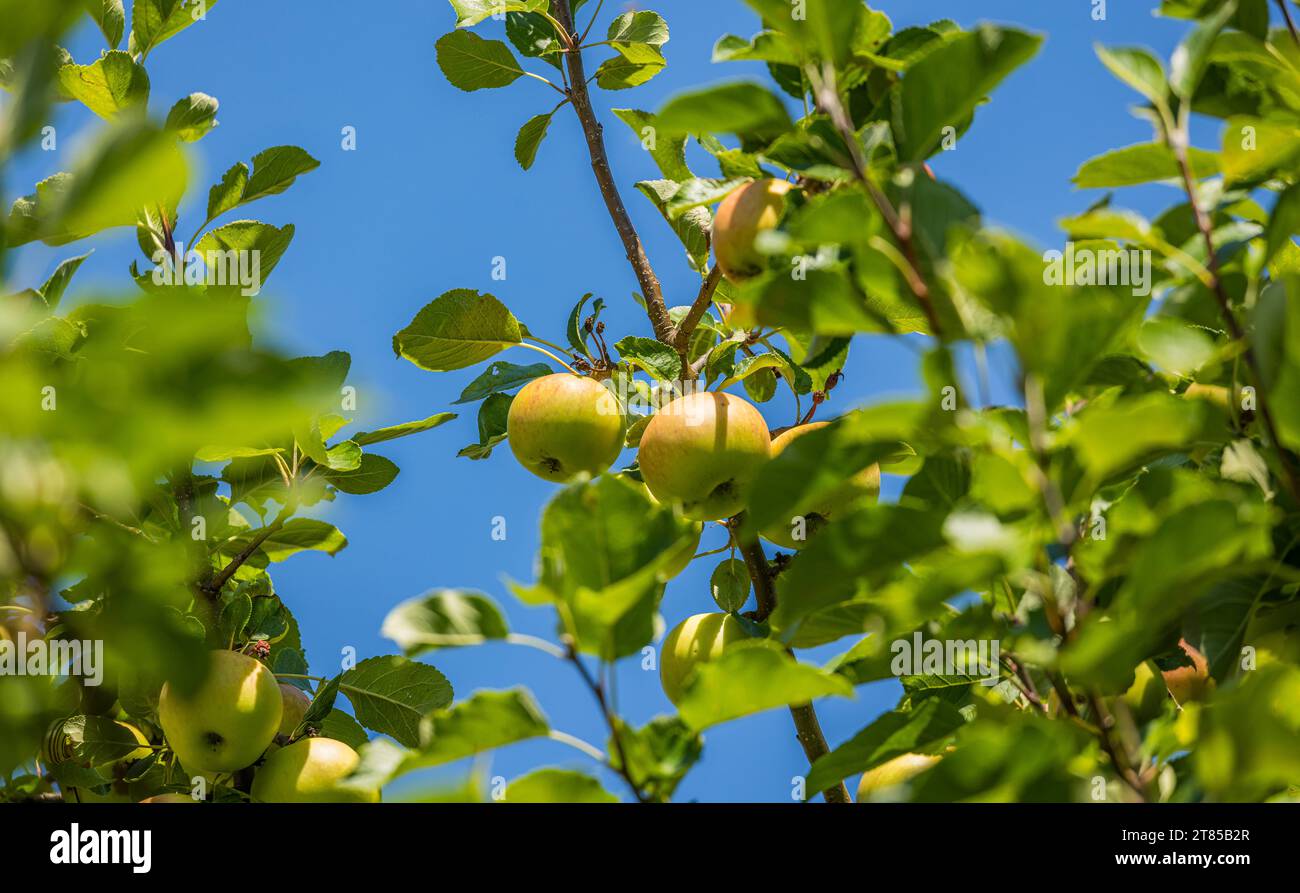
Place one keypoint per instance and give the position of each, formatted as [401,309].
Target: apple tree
[1122,535]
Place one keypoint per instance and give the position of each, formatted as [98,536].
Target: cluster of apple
[238,716]
[700,452]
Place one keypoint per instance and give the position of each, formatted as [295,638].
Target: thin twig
[1291,474]
[593,131]
[681,337]
[900,225]
[1290,22]
[807,727]
[598,692]
[213,586]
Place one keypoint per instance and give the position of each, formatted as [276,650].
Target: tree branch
[686,328]
[598,692]
[593,130]
[1291,474]
[828,99]
[1290,22]
[213,586]
[806,725]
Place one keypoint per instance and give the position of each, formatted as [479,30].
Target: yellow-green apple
[703,450]
[750,210]
[562,425]
[1148,693]
[294,703]
[696,640]
[807,520]
[893,773]
[310,771]
[1191,683]
[227,724]
[169,798]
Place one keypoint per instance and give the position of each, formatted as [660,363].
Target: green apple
[750,210]
[227,724]
[294,702]
[562,425]
[804,523]
[696,640]
[309,771]
[877,782]
[704,450]
[1148,693]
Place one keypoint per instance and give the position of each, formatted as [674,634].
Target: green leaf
[404,430]
[750,679]
[818,464]
[655,357]
[457,329]
[534,36]
[1283,224]
[746,109]
[639,27]
[635,64]
[54,287]
[391,695]
[1137,68]
[1174,345]
[110,85]
[130,167]
[501,376]
[372,475]
[1144,163]
[693,228]
[530,139]
[299,535]
[192,117]
[557,786]
[488,720]
[444,618]
[110,16]
[1109,439]
[574,329]
[340,726]
[605,544]
[493,414]
[1254,149]
[471,63]
[1189,61]
[943,89]
[230,245]
[889,736]
[99,740]
[729,584]
[823,29]
[274,170]
[153,21]
[471,12]
[659,754]
[667,149]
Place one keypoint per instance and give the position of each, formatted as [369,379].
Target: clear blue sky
[433,194]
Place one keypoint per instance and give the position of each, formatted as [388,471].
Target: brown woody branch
[1206,226]
[828,100]
[593,130]
[807,727]
[1290,22]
